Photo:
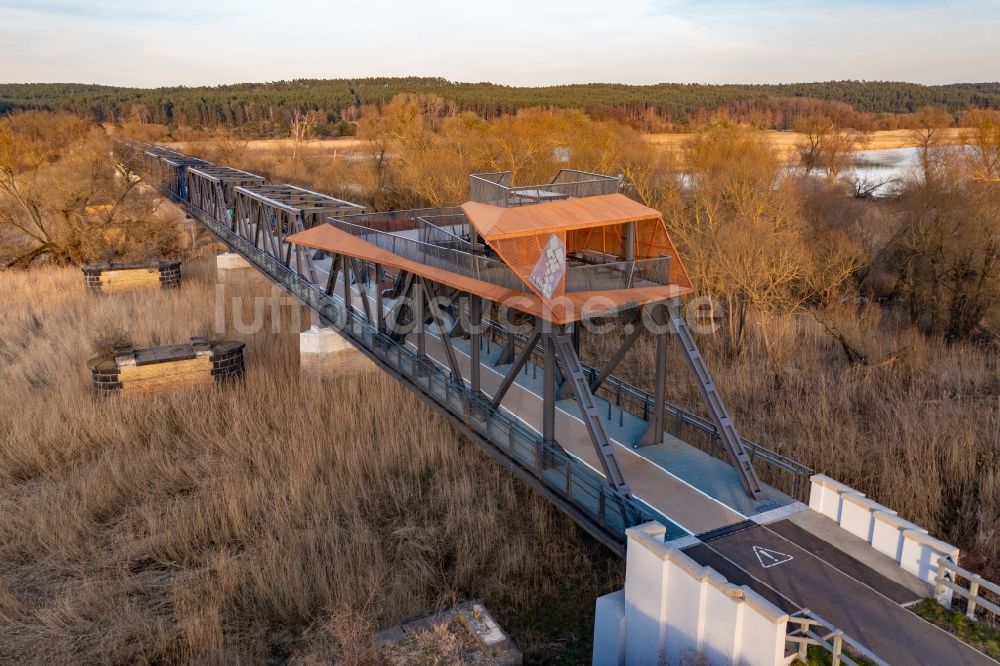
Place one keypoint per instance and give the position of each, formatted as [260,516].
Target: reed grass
[280,519]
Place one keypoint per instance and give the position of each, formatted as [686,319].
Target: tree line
[267,109]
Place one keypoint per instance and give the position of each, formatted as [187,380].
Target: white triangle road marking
[770,558]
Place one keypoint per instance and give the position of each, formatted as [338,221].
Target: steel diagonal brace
[609,366]
[731,439]
[431,294]
[511,375]
[591,414]
[359,278]
[404,282]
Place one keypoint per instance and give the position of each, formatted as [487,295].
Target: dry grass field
[315,148]
[279,520]
[786,143]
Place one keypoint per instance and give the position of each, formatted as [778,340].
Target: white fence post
[973,593]
[942,593]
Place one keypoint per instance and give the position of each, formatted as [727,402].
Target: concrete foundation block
[609,630]
[491,638]
[482,639]
[857,514]
[323,340]
[230,261]
[325,353]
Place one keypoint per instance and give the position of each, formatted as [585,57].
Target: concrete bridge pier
[324,352]
[231,265]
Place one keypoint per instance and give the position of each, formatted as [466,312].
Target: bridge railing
[782,472]
[470,265]
[495,188]
[619,275]
[440,230]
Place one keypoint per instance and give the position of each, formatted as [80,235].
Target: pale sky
[517,42]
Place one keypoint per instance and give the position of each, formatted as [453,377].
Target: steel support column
[331,279]
[345,264]
[361,276]
[549,390]
[630,241]
[507,352]
[418,318]
[654,431]
[476,340]
[379,314]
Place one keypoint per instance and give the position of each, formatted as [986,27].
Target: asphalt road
[792,577]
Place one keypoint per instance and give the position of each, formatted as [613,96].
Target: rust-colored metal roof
[497,223]
[563,310]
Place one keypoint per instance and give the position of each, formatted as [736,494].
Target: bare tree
[827,144]
[63,198]
[738,227]
[303,128]
[983,143]
[946,252]
[928,134]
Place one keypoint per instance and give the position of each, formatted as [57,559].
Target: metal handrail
[470,265]
[654,271]
[429,231]
[494,188]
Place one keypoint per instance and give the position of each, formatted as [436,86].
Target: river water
[884,172]
[881,172]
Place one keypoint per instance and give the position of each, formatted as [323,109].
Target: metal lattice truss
[162,164]
[268,214]
[213,188]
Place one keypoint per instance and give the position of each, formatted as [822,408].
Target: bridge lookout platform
[480,309]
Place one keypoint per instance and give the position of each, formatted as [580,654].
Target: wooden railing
[948,583]
[805,629]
